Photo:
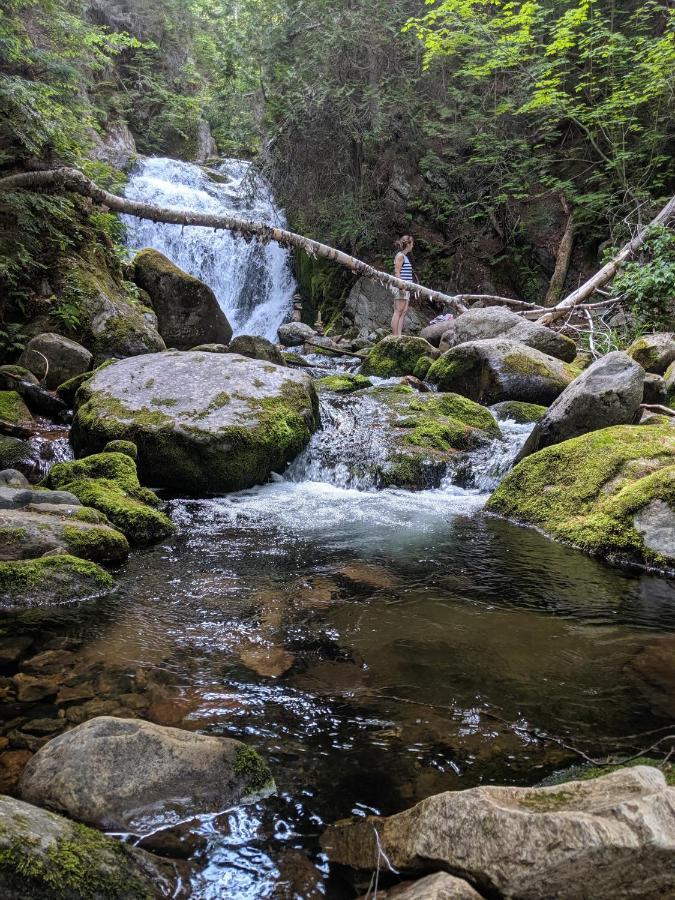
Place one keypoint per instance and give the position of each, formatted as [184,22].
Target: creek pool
[375,647]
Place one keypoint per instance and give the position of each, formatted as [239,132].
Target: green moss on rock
[342,384]
[250,766]
[589,772]
[126,447]
[517,411]
[14,411]
[586,491]
[50,579]
[95,543]
[397,356]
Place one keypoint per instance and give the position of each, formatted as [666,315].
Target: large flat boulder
[131,775]
[654,352]
[48,856]
[612,837]
[497,321]
[490,371]
[610,492]
[187,310]
[608,393]
[54,359]
[201,421]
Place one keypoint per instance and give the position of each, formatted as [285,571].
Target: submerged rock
[130,775]
[610,837]
[187,310]
[654,352]
[54,359]
[497,321]
[256,347]
[490,371]
[201,421]
[607,393]
[396,356]
[47,856]
[109,482]
[609,492]
[50,580]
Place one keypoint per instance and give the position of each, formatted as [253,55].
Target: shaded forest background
[500,134]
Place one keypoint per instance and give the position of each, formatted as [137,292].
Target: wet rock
[12,764]
[519,412]
[201,421]
[10,375]
[256,347]
[370,307]
[497,321]
[28,534]
[267,660]
[591,491]
[655,389]
[342,383]
[187,310]
[396,356]
[297,878]
[75,694]
[130,775]
[294,334]
[45,855]
[490,371]
[654,666]
[608,393]
[31,688]
[175,843]
[54,359]
[21,498]
[369,576]
[50,581]
[654,352]
[108,482]
[19,456]
[614,835]
[13,647]
[439,886]
[15,417]
[49,662]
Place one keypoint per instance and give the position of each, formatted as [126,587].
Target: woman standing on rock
[403,270]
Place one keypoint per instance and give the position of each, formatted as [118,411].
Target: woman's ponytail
[403,242]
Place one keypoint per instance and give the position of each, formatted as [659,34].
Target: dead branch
[563,257]
[657,408]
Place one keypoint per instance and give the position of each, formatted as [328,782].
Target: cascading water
[253,283]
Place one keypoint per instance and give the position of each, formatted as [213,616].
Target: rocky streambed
[338,615]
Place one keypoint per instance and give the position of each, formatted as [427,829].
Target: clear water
[376,647]
[254,284]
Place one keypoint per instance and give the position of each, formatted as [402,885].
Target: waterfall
[253,283]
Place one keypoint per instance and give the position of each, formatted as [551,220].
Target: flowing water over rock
[253,283]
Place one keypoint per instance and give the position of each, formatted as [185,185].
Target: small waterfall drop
[253,283]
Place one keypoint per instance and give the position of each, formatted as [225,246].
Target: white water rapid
[253,283]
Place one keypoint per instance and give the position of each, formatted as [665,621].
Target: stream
[376,646]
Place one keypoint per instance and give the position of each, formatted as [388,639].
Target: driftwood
[68,179]
[563,257]
[658,408]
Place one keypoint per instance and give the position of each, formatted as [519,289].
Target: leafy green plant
[12,341]
[647,285]
[68,314]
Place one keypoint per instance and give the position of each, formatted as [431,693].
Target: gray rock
[439,886]
[370,306]
[12,479]
[497,321]
[611,837]
[28,533]
[20,498]
[294,334]
[669,378]
[656,524]
[435,331]
[256,347]
[655,389]
[201,421]
[54,359]
[130,775]
[187,309]
[654,352]
[116,146]
[491,371]
[47,856]
[607,393]
[206,145]
[211,348]
[10,376]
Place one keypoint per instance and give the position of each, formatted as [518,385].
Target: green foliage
[12,341]
[647,284]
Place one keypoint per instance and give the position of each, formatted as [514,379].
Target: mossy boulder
[519,412]
[127,775]
[15,417]
[497,321]
[256,347]
[125,447]
[669,378]
[16,453]
[54,358]
[187,310]
[201,421]
[396,356]
[10,374]
[46,856]
[28,533]
[342,384]
[610,493]
[50,580]
[67,390]
[491,371]
[654,352]
[109,482]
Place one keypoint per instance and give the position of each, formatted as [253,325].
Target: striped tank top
[406,270]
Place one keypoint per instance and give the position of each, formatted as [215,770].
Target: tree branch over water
[69,179]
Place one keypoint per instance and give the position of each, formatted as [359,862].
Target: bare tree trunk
[66,179]
[562,262]
[665,217]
